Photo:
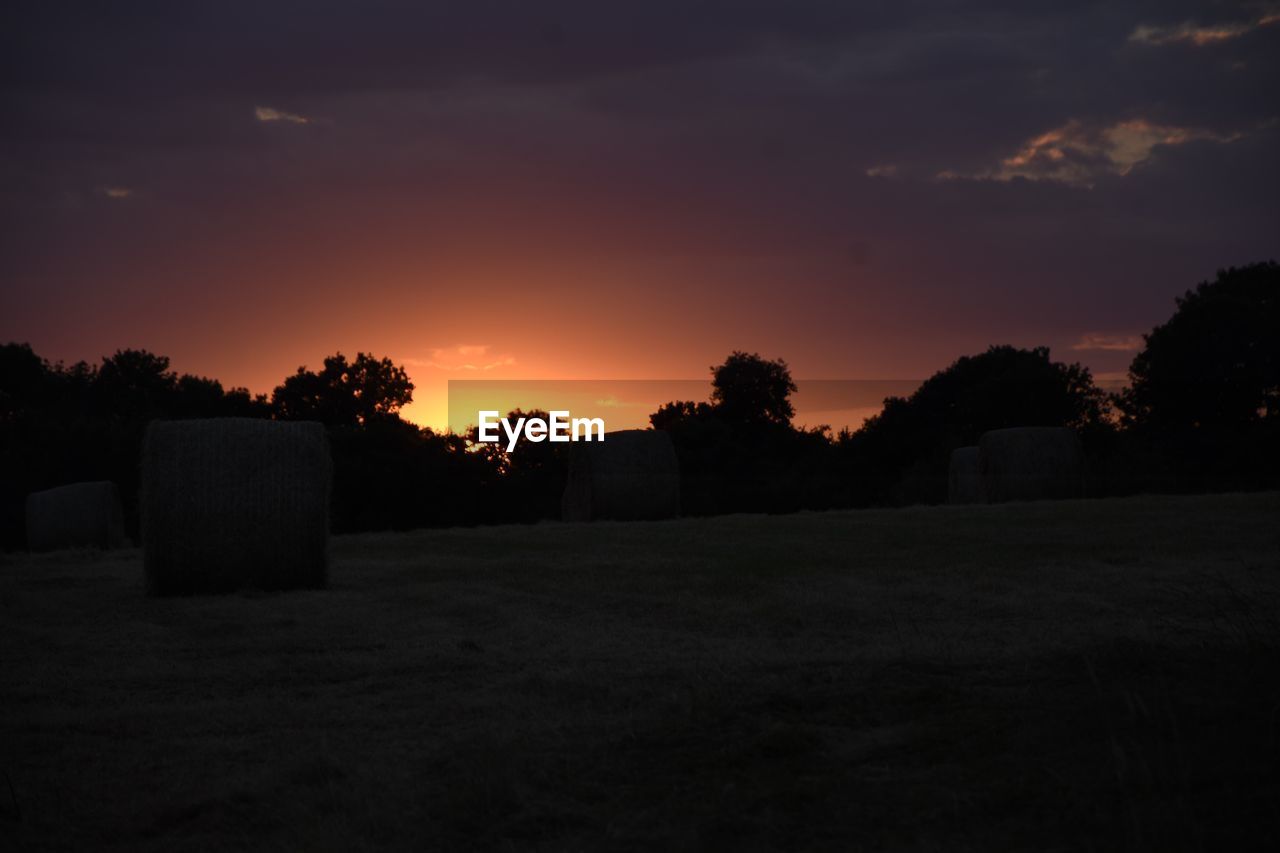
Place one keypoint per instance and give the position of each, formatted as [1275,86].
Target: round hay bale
[964,479]
[632,474]
[78,515]
[1031,463]
[230,503]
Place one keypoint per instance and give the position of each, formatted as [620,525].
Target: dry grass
[1052,676]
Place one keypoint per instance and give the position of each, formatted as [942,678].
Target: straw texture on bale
[1031,463]
[230,503]
[632,474]
[79,515]
[964,481]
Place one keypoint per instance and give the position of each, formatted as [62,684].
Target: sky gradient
[584,190]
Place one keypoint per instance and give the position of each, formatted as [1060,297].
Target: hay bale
[1031,463]
[632,474]
[964,479]
[79,515]
[230,503]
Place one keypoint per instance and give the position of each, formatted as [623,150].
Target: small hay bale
[1031,463]
[632,474]
[230,503]
[79,515]
[964,480]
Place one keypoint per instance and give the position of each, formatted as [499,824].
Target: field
[1096,675]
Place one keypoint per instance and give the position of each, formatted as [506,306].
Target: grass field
[1096,675]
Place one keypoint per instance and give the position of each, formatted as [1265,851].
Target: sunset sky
[587,190]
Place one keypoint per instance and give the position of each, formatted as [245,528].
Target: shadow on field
[1126,747]
[1096,675]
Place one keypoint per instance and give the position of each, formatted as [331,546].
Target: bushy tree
[1204,394]
[391,475]
[901,454]
[532,475]
[344,393]
[1216,362]
[750,389]
[739,452]
[671,415]
[60,424]
[25,379]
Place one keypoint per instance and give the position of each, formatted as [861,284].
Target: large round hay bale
[964,479]
[631,474]
[1031,463]
[230,503]
[78,515]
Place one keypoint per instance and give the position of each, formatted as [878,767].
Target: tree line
[1201,412]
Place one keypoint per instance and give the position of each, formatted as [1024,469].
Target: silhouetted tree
[199,397]
[532,475]
[344,393]
[61,424]
[25,379]
[1216,362]
[901,454]
[739,452]
[751,389]
[1204,396]
[135,383]
[391,475]
[671,415]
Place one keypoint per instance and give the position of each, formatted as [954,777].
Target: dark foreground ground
[1076,676]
